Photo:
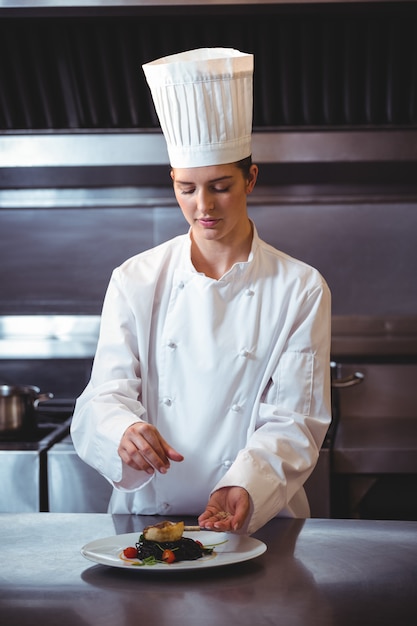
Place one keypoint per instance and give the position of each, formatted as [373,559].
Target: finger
[226,525]
[153,448]
[141,448]
[203,517]
[156,458]
[168,451]
[132,457]
[172,454]
[212,516]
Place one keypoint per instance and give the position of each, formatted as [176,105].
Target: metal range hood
[335,88]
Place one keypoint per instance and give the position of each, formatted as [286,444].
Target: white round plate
[231,549]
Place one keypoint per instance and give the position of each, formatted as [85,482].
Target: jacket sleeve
[110,403]
[292,418]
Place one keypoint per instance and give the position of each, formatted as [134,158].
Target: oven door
[374,455]
[21,481]
[74,486]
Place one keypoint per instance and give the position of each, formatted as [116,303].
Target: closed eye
[221,190]
[190,191]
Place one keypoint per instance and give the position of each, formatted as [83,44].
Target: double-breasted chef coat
[234,373]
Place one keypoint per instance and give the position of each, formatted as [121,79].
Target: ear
[253,176]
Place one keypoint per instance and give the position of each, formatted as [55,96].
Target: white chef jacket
[234,373]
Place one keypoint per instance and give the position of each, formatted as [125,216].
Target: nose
[205,200]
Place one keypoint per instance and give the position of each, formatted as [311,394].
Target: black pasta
[185,549]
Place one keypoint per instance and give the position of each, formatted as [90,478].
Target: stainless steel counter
[314,572]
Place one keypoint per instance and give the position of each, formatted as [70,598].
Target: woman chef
[210,391]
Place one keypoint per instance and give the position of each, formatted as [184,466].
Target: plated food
[221,549]
[165,543]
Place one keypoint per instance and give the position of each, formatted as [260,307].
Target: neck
[214,258]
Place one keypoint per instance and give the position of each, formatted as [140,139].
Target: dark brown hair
[245,165]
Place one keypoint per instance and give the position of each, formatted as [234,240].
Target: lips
[208,222]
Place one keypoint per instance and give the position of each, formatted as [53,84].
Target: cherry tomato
[168,556]
[130,553]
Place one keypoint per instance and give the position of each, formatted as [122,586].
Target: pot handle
[41,398]
[348,381]
[339,381]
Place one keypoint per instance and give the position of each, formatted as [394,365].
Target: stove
[23,460]
[54,353]
[41,438]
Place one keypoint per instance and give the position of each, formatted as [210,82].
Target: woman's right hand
[143,448]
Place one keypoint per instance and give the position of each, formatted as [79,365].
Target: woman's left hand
[227,510]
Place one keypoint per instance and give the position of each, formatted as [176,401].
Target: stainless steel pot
[17,407]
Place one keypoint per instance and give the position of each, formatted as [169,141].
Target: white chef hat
[204,101]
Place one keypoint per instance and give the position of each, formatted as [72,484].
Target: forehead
[200,175]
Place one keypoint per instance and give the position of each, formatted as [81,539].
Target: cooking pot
[17,407]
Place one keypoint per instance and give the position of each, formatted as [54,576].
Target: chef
[210,388]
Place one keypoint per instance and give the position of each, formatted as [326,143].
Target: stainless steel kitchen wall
[58,261]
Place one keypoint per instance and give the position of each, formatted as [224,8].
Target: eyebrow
[215,180]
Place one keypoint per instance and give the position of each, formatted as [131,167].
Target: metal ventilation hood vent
[335,82]
[322,66]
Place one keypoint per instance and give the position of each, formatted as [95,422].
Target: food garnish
[130,552]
